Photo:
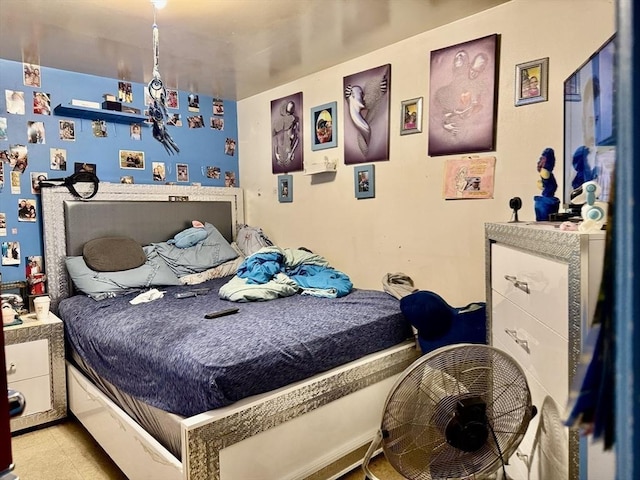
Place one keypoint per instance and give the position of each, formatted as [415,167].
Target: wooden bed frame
[318,428]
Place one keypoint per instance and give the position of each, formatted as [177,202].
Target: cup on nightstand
[41,306]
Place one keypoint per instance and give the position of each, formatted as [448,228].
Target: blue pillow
[211,252]
[189,237]
[98,285]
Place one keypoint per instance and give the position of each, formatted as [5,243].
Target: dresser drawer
[37,394]
[537,285]
[27,360]
[545,353]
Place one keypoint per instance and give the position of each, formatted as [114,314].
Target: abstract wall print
[286,134]
[324,126]
[469,177]
[366,106]
[531,82]
[462,101]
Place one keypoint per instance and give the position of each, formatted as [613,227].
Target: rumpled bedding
[165,353]
[274,272]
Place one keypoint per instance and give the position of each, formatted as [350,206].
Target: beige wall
[408,227]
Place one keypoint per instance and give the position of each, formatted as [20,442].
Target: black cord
[495,439]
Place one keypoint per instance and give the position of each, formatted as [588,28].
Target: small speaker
[515,204]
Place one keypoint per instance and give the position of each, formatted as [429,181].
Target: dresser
[542,287]
[34,353]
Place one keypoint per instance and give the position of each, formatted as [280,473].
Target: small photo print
[230,146]
[135,131]
[84,167]
[67,130]
[58,157]
[3,129]
[36,178]
[3,224]
[125,92]
[10,253]
[213,172]
[126,179]
[131,159]
[41,103]
[99,128]
[182,171]
[229,179]
[195,121]
[15,102]
[31,75]
[193,102]
[172,99]
[18,157]
[217,123]
[27,210]
[15,182]
[35,132]
[159,171]
[218,107]
[175,119]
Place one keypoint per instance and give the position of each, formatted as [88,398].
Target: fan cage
[423,401]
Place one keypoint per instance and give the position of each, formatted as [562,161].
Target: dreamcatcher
[157,92]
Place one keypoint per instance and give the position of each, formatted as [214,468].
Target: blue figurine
[546,204]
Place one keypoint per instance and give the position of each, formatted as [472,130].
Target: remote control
[222,313]
[185,294]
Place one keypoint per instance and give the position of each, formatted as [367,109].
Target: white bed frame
[318,428]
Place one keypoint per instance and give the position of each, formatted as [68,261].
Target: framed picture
[285,188]
[462,98]
[411,116]
[364,179]
[366,123]
[532,79]
[286,134]
[324,126]
[131,159]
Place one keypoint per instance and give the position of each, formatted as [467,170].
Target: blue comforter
[168,355]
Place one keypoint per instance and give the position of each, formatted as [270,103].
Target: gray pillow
[154,273]
[211,252]
[113,254]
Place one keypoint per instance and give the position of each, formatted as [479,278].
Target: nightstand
[36,367]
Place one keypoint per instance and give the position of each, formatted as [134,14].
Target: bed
[316,426]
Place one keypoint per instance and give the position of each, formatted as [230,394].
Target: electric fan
[457,412]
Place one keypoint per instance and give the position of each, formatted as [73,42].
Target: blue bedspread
[168,355]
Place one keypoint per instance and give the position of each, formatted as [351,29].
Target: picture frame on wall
[462,97]
[285,188]
[532,82]
[324,126]
[367,103]
[286,134]
[411,116]
[364,181]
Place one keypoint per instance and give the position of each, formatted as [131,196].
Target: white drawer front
[37,393]
[27,360]
[546,353]
[538,285]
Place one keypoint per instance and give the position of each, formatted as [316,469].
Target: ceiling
[231,49]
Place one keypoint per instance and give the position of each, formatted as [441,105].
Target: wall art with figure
[462,99]
[366,107]
[286,134]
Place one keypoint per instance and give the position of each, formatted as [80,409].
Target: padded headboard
[146,213]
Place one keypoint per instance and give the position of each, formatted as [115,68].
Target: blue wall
[199,147]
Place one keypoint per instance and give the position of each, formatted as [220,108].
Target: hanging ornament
[158,94]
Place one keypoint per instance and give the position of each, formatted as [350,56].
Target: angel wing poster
[366,107]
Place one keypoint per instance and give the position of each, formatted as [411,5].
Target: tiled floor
[66,451]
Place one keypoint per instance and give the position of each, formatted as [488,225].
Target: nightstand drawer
[537,285]
[27,360]
[37,393]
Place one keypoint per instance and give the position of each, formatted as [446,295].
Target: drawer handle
[524,286]
[514,334]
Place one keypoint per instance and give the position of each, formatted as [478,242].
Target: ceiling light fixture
[159,4]
[158,94]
